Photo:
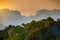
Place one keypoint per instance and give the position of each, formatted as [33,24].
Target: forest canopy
[45,29]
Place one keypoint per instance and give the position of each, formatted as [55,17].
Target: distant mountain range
[1,26]
[14,17]
[41,14]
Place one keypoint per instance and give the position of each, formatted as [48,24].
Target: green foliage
[1,35]
[58,37]
[35,30]
[16,33]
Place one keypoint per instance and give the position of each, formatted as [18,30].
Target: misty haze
[14,17]
[45,24]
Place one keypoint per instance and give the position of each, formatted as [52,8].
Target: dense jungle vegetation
[45,29]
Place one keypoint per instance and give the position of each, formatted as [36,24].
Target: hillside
[45,29]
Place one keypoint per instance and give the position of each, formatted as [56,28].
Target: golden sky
[29,7]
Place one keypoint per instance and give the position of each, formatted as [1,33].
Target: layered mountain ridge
[14,17]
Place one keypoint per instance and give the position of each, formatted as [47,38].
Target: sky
[29,7]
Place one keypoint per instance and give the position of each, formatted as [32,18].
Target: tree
[58,37]
[16,33]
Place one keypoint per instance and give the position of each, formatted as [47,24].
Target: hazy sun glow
[29,7]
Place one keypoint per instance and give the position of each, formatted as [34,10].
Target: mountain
[14,17]
[1,26]
[41,14]
[10,17]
